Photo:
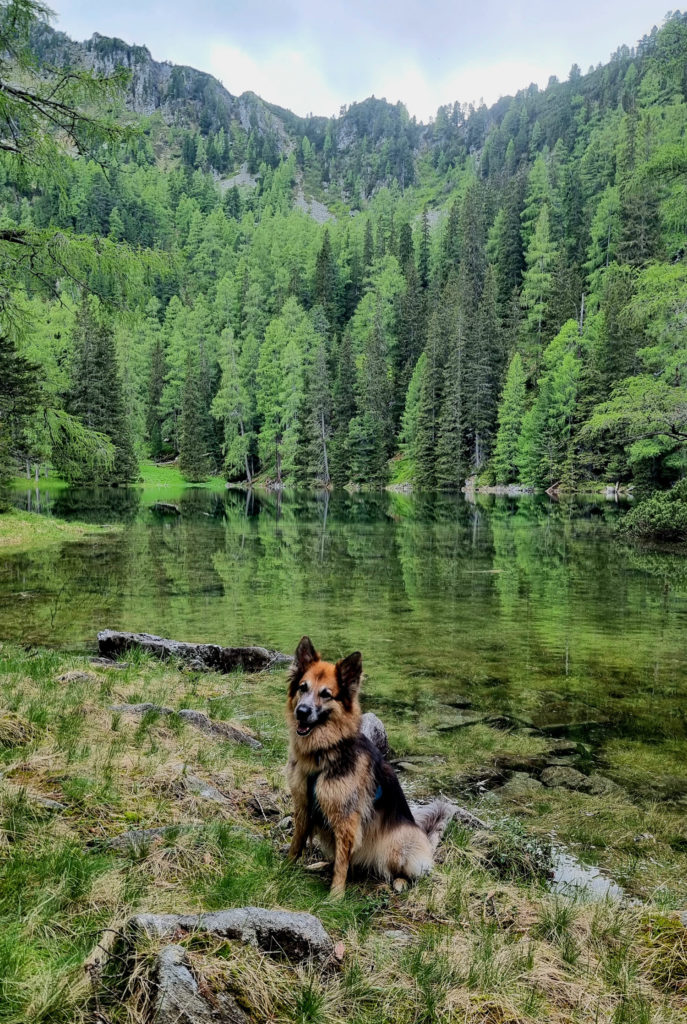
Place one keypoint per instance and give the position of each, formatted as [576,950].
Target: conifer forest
[500,294]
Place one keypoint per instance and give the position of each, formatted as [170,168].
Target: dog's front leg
[301,831]
[344,838]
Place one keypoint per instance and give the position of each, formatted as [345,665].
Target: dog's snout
[303,712]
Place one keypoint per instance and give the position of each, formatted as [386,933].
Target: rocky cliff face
[180,93]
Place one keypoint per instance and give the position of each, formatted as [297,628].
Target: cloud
[294,79]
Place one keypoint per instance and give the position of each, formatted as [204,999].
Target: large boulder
[294,935]
[181,1000]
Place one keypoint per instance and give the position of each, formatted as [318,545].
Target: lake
[526,606]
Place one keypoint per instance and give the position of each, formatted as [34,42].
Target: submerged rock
[182,1000]
[295,935]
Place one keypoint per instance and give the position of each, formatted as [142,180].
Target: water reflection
[526,604]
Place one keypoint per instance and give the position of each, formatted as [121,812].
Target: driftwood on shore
[112,644]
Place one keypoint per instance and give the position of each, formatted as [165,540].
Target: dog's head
[322,706]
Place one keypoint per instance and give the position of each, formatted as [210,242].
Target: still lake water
[527,606]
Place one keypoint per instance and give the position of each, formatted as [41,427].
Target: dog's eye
[303,687]
[326,694]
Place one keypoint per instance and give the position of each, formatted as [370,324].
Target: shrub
[663,516]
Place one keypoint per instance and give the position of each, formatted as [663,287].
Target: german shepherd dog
[343,790]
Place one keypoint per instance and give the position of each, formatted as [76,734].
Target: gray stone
[682,917]
[219,659]
[180,999]
[599,785]
[373,728]
[565,778]
[521,787]
[77,676]
[295,935]
[205,790]
[198,719]
[138,837]
[397,937]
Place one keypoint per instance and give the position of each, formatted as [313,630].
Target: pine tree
[343,412]
[423,251]
[537,290]
[510,419]
[96,396]
[325,283]
[156,383]
[194,461]
[320,416]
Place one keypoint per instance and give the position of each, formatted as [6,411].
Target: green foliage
[248,335]
[663,516]
[510,419]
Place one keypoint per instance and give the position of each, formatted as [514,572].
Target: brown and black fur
[343,789]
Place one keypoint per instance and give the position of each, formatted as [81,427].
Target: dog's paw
[399,884]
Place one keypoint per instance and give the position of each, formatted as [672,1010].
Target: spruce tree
[96,396]
[194,461]
[510,417]
[343,412]
[537,291]
[156,383]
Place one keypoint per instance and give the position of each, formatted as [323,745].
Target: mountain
[500,293]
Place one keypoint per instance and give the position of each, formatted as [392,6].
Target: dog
[343,790]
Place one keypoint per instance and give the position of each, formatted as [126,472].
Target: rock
[36,798]
[295,935]
[521,787]
[223,730]
[211,656]
[682,917]
[109,663]
[141,837]
[166,508]
[198,719]
[205,790]
[373,728]
[520,762]
[264,806]
[286,823]
[565,778]
[181,1000]
[397,937]
[599,785]
[409,766]
[77,676]
[560,747]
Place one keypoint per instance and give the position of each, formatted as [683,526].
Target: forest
[499,295]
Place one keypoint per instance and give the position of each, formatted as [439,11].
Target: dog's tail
[433,819]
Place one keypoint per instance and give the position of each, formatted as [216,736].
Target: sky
[313,57]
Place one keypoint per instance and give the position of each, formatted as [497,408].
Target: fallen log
[206,657]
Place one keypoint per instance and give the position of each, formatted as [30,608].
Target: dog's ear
[305,654]
[302,660]
[349,673]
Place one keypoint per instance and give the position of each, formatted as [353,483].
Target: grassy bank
[484,939]
[28,531]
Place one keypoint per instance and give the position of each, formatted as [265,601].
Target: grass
[168,475]
[25,531]
[481,940]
